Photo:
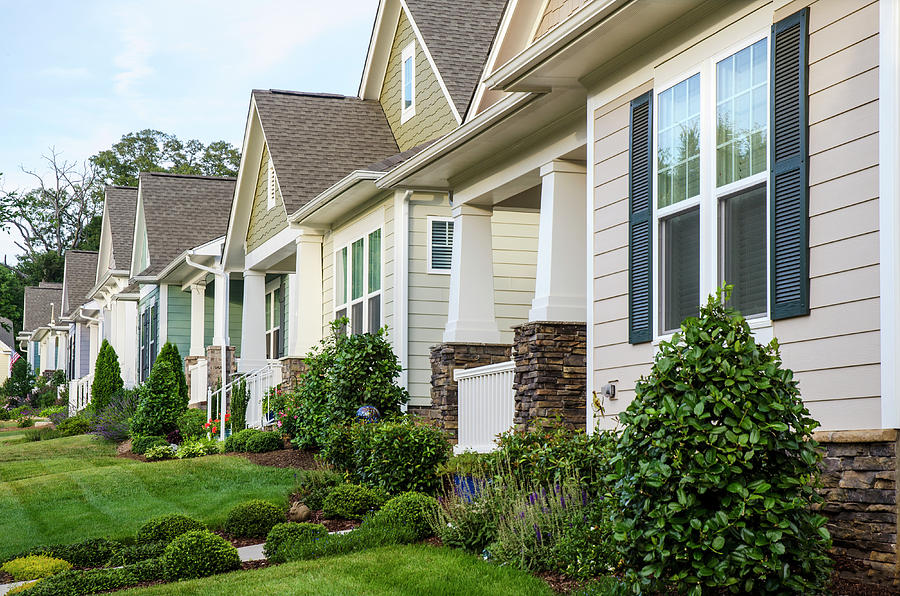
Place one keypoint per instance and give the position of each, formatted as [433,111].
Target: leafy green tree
[716,468]
[91,237]
[20,381]
[33,268]
[169,353]
[160,405]
[12,297]
[107,377]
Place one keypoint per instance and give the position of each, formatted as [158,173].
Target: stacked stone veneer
[291,369]
[445,358]
[551,373]
[859,474]
[189,361]
[214,365]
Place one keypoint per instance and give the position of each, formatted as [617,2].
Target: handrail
[222,392]
[468,373]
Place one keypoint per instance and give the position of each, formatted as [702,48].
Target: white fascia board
[333,192]
[379,50]
[282,242]
[234,236]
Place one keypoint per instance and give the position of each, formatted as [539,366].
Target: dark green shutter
[789,217]
[154,329]
[282,322]
[640,224]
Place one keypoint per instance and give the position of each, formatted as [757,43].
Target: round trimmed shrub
[412,509]
[199,553]
[34,567]
[238,441]
[716,468]
[76,425]
[167,527]
[253,519]
[351,501]
[264,442]
[141,444]
[290,532]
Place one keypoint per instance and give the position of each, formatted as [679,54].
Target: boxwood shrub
[264,442]
[412,509]
[34,567]
[93,552]
[238,441]
[199,553]
[282,533]
[351,501]
[314,485]
[76,582]
[166,527]
[253,519]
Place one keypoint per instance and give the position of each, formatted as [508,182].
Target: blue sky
[79,75]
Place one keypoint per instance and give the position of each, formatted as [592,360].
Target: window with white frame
[408,82]
[357,292]
[711,185]
[270,185]
[440,244]
[273,322]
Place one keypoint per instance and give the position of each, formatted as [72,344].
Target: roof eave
[337,189]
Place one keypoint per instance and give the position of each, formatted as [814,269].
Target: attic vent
[270,200]
[440,245]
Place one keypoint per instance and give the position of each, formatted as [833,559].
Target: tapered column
[253,321]
[471,311]
[560,288]
[305,312]
[198,319]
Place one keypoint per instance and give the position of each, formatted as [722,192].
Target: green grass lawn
[69,489]
[385,571]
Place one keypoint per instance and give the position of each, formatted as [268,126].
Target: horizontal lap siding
[515,241]
[179,319]
[327,283]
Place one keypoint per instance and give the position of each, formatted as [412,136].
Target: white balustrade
[80,393]
[198,373]
[259,384]
[486,403]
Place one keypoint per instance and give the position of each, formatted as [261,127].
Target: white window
[440,244]
[273,322]
[357,292]
[270,186]
[408,82]
[711,190]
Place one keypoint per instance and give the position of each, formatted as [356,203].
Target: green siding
[434,117]
[264,222]
[209,312]
[179,319]
[235,312]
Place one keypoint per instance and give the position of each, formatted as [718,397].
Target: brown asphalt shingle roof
[458,35]
[182,212]
[37,304]
[317,139]
[80,277]
[121,203]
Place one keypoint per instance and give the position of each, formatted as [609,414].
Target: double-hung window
[358,283]
[711,191]
[408,82]
[149,330]
[273,323]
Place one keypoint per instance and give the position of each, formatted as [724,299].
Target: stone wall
[291,369]
[189,361]
[447,357]
[214,365]
[551,373]
[859,474]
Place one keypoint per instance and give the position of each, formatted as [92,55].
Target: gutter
[109,273]
[333,192]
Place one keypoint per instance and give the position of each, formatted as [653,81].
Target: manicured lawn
[8,436]
[69,489]
[391,570]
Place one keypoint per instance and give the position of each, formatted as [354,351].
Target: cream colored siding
[327,283]
[387,270]
[835,351]
[515,240]
[264,222]
[555,13]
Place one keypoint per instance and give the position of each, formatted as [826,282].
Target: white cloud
[136,37]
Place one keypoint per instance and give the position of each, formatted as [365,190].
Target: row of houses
[531,195]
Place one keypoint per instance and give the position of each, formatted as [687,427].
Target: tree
[91,236]
[20,381]
[107,377]
[169,353]
[33,268]
[160,405]
[12,297]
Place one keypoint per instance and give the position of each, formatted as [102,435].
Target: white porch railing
[198,373]
[258,382]
[486,402]
[80,393]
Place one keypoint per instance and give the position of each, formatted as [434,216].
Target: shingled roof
[458,36]
[121,202]
[80,276]
[182,212]
[317,139]
[37,304]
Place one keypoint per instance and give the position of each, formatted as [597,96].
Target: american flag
[15,356]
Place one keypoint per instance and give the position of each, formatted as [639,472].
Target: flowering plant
[212,426]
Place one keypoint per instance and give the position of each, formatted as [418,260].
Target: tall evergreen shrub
[160,404]
[107,377]
[169,352]
[716,468]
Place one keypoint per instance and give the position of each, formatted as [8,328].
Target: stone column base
[859,485]
[291,369]
[214,365]
[447,357]
[189,361]
[551,373]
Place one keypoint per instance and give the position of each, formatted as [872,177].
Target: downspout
[218,272]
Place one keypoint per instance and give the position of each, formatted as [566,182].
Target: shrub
[49,411]
[93,552]
[169,353]
[141,444]
[107,377]
[198,554]
[210,446]
[412,509]
[76,425]
[173,437]
[190,424]
[281,533]
[314,485]
[240,398]
[76,582]
[160,404]
[113,422]
[42,434]
[25,422]
[716,468]
[400,456]
[20,381]
[133,553]
[34,567]
[167,527]
[190,449]
[253,519]
[373,532]
[351,501]
[160,453]
[238,441]
[264,442]
[338,447]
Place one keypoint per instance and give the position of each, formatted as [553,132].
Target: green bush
[253,519]
[190,424]
[76,425]
[34,567]
[107,376]
[716,468]
[198,554]
[211,446]
[373,532]
[285,532]
[93,552]
[48,411]
[238,441]
[25,422]
[169,353]
[338,449]
[585,548]
[20,381]
[314,485]
[133,553]
[264,442]
[161,403]
[190,449]
[76,582]
[45,433]
[141,443]
[166,527]
[412,509]
[240,398]
[160,452]
[401,455]
[351,501]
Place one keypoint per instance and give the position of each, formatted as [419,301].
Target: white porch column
[220,310]
[471,314]
[305,312]
[253,321]
[198,320]
[559,292]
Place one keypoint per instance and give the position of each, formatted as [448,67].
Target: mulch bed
[333,525]
[255,564]
[6,578]
[239,542]
[283,458]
